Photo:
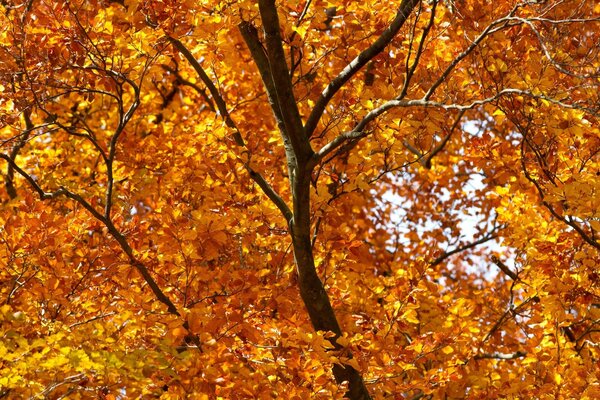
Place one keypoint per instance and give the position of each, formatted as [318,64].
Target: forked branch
[282,81]
[118,236]
[493,234]
[425,158]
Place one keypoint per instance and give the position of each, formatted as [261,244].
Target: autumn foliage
[300,199]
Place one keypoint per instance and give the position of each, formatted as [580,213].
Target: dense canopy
[300,199]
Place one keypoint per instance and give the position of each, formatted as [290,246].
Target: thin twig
[490,236]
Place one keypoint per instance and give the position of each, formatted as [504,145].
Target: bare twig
[490,236]
[95,318]
[504,268]
[55,385]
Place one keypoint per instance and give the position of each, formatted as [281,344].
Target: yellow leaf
[557,378]
[301,30]
[411,316]
[353,363]
[343,341]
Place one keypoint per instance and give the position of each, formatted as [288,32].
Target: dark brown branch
[214,92]
[415,151]
[304,12]
[504,268]
[160,295]
[351,138]
[51,195]
[271,194]
[300,163]
[510,311]
[501,356]
[10,171]
[282,82]
[425,159]
[585,236]
[442,144]
[197,88]
[355,65]
[259,55]
[92,319]
[490,236]
[125,116]
[411,70]
[491,28]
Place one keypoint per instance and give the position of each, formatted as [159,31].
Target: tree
[300,199]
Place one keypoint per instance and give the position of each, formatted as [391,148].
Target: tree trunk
[271,62]
[312,291]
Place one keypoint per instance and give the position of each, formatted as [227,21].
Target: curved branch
[214,92]
[495,26]
[57,193]
[355,65]
[125,116]
[250,36]
[555,64]
[425,158]
[23,137]
[197,88]
[567,220]
[490,236]
[442,144]
[504,268]
[359,131]
[270,192]
[411,70]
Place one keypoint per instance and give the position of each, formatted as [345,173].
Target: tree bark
[301,160]
[312,291]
